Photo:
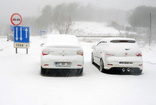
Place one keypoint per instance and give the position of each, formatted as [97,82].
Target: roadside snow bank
[93,29]
[149,54]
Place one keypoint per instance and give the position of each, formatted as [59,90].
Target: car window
[122,41]
[102,42]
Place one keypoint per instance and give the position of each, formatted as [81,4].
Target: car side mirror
[42,44]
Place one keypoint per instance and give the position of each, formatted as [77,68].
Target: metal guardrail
[3,36]
[98,36]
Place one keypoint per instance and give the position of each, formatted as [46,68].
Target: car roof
[116,38]
[62,40]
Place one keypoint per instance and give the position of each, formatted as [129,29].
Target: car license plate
[62,64]
[126,62]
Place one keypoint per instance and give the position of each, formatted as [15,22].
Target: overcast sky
[32,7]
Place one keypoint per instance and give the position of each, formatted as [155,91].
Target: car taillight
[139,54]
[45,52]
[80,52]
[109,54]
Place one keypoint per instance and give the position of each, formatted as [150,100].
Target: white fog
[22,63]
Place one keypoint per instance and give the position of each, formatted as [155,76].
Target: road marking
[16,33]
[26,30]
[21,34]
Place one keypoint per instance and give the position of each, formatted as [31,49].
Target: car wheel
[43,71]
[80,72]
[101,66]
[93,59]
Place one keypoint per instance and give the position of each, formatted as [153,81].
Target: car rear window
[122,41]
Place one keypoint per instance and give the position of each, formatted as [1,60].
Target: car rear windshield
[122,41]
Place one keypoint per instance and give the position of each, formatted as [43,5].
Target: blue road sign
[21,34]
[42,32]
[11,28]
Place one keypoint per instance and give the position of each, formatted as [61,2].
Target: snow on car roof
[62,40]
[116,38]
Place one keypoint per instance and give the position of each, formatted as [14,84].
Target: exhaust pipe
[128,70]
[123,70]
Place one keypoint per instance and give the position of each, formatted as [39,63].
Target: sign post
[21,33]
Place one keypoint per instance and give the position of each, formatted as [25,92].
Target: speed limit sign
[16,19]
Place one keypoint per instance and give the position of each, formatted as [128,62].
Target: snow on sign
[16,19]
[21,37]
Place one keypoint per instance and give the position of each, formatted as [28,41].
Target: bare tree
[63,24]
[43,22]
[62,20]
[116,26]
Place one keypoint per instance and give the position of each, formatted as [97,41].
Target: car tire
[80,72]
[43,71]
[93,59]
[138,72]
[101,66]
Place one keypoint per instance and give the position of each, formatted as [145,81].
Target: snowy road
[22,84]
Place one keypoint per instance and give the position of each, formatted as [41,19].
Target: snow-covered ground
[22,84]
[93,29]
[82,28]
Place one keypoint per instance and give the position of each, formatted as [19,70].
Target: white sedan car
[118,54]
[62,53]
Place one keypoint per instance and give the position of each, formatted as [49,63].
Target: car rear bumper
[125,70]
[62,72]
[50,62]
[123,62]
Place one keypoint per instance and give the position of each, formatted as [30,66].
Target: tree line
[63,16]
[143,16]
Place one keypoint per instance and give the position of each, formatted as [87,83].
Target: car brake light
[80,52]
[79,65]
[110,64]
[140,64]
[138,54]
[46,64]
[109,54]
[45,52]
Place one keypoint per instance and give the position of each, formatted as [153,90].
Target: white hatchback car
[62,53]
[118,54]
